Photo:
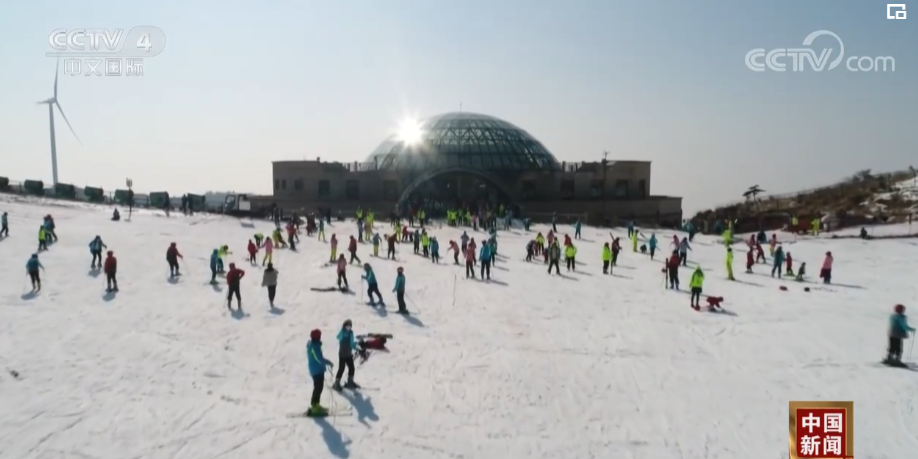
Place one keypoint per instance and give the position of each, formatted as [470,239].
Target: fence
[99,196]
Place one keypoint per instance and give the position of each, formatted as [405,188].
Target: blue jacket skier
[434,250]
[778,261]
[317,365]
[652,244]
[347,346]
[214,265]
[399,290]
[577,227]
[32,267]
[372,286]
[898,331]
[95,248]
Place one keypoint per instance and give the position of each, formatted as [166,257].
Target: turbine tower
[52,102]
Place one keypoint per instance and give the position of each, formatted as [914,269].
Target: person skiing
[269,252]
[606,258]
[317,364]
[898,331]
[696,283]
[577,227]
[470,262]
[253,252]
[616,249]
[49,228]
[778,261]
[333,245]
[321,235]
[672,270]
[759,253]
[42,239]
[570,253]
[400,291]
[352,248]
[789,262]
[342,272]
[684,247]
[347,345]
[826,272]
[425,244]
[232,281]
[32,267]
[259,239]
[554,256]
[464,241]
[801,272]
[484,256]
[434,250]
[172,256]
[390,245]
[372,286]
[269,280]
[221,255]
[214,265]
[110,269]
[455,249]
[749,261]
[652,244]
[634,241]
[730,263]
[95,249]
[4,225]
[376,241]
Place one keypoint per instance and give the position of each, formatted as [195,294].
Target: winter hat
[347,323]
[899,309]
[110,253]
[366,266]
[315,335]
[400,269]
[171,244]
[232,265]
[270,265]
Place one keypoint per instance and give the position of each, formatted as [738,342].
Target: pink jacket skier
[269,252]
[826,272]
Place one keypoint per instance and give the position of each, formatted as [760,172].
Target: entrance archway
[457,183]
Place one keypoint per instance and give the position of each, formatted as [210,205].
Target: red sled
[714,301]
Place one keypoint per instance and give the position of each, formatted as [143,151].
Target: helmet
[232,265]
[110,253]
[366,266]
[315,335]
[899,309]
[347,323]
[171,244]
[400,269]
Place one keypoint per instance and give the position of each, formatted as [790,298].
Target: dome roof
[464,139]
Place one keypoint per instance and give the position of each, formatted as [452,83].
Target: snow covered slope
[526,366]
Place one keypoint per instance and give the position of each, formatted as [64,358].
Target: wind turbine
[52,102]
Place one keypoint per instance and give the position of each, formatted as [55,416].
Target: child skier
[672,270]
[749,261]
[826,272]
[470,262]
[898,331]
[400,291]
[696,284]
[333,244]
[172,256]
[390,246]
[372,286]
[352,248]
[214,265]
[269,280]
[434,250]
[342,272]
[253,252]
[347,345]
[652,244]
[321,236]
[110,269]
[376,240]
[684,247]
[95,249]
[730,263]
[801,272]
[221,255]
[32,267]
[789,269]
[232,281]
[317,368]
[269,252]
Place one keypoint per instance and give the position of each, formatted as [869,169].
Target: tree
[752,193]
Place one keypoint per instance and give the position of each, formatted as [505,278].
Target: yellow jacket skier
[634,241]
[606,258]
[730,263]
[696,284]
[570,253]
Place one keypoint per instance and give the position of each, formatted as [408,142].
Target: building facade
[468,157]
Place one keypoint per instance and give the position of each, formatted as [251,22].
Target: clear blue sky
[243,83]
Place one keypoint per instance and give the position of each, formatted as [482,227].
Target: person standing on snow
[470,262]
[789,265]
[42,239]
[672,270]
[390,245]
[347,345]
[372,286]
[233,278]
[778,262]
[750,261]
[464,240]
[606,258]
[172,256]
[684,247]
[696,284]
[434,250]
[269,280]
[455,249]
[826,272]
[570,254]
[634,241]
[577,226]
[730,263]
[111,269]
[253,253]
[352,248]
[4,225]
[400,291]
[32,267]
[484,256]
[333,244]
[554,256]
[317,364]
[342,272]
[269,252]
[652,243]
[321,235]
[214,266]
[95,249]
[898,331]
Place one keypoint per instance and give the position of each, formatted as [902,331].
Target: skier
[470,262]
[317,368]
[778,262]
[214,265]
[749,261]
[32,267]
[172,256]
[400,291]
[434,250]
[684,247]
[616,249]
[464,241]
[672,269]
[652,243]
[334,248]
[801,272]
[789,269]
[730,263]
[530,248]
[291,235]
[259,239]
[554,255]
[634,240]
[347,345]
[42,239]
[269,280]
[116,216]
[577,226]
[342,272]
[49,228]
[606,257]
[269,252]
[485,257]
[570,253]
[425,244]
[232,281]
[696,284]
[221,255]
[390,245]
[321,235]
[416,241]
[4,225]
[110,269]
[455,249]
[252,249]
[826,272]
[376,240]
[630,228]
[352,248]
[898,331]
[95,249]
[372,287]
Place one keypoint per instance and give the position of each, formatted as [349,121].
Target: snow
[527,366]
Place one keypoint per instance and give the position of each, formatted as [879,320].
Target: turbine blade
[56,71]
[68,122]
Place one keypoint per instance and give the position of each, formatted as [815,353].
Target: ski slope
[526,366]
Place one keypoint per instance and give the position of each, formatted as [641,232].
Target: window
[390,190]
[276,184]
[596,189]
[528,189]
[324,188]
[567,189]
[284,184]
[642,188]
[352,190]
[621,189]
[298,184]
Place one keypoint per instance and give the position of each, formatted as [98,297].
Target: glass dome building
[463,140]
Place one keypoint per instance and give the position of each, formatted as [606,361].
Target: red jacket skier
[172,256]
[352,245]
[233,276]
[567,240]
[110,268]
[253,250]
[790,263]
[749,260]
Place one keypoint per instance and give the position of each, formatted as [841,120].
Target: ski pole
[909,359]
[415,305]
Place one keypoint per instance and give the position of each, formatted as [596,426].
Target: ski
[904,366]
[332,413]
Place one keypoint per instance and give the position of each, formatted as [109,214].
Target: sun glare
[409,131]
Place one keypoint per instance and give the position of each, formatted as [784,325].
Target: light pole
[605,168]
